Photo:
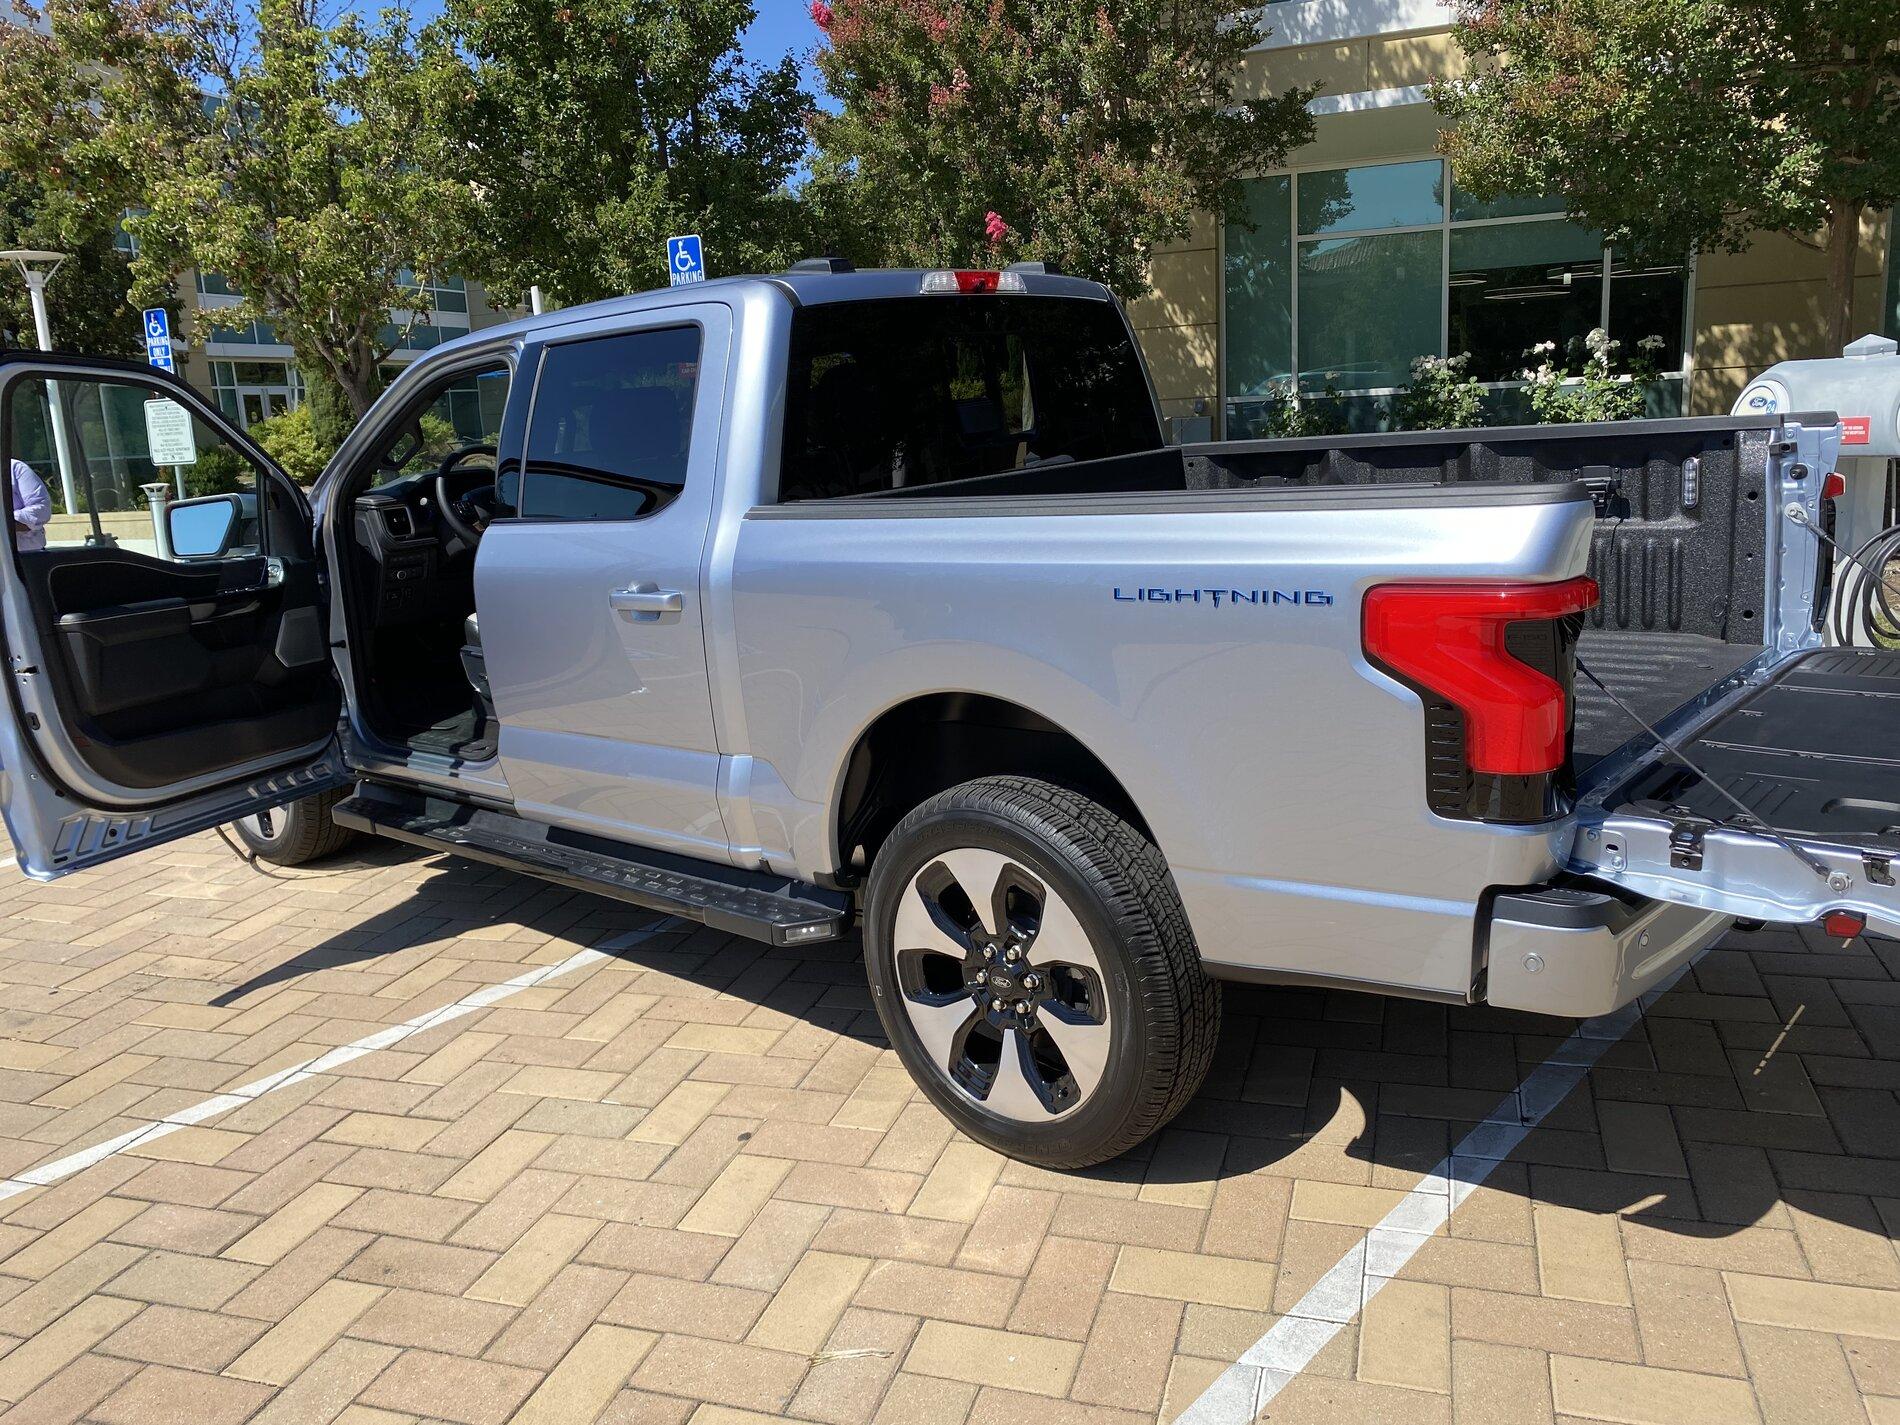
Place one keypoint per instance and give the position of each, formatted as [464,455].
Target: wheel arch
[934,741]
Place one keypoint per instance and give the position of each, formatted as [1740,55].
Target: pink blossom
[994,228]
[821,15]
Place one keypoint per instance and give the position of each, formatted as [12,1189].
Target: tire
[1071,1021]
[297,833]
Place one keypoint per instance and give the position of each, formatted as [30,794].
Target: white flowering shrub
[1441,396]
[1580,384]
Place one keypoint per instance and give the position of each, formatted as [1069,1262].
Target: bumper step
[755,904]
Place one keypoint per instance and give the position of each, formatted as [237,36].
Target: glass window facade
[251,391]
[1890,306]
[1335,280]
[1368,305]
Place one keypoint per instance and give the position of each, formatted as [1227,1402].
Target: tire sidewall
[1059,862]
[285,818]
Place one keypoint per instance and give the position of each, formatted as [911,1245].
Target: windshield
[919,390]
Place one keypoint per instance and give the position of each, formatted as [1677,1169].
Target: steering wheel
[466,517]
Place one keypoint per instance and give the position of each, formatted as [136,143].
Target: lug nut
[1013,954]
[989,952]
[1030,982]
[996,1005]
[1022,1006]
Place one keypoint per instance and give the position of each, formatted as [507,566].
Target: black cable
[1864,612]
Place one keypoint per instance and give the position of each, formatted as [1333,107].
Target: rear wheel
[296,833]
[1032,964]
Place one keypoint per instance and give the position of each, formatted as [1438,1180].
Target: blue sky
[783,27]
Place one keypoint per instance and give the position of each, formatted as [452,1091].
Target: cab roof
[806,285]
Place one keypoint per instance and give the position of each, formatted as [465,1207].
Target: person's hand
[22,527]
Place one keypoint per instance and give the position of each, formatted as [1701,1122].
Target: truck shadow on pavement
[822,984]
[1757,1095]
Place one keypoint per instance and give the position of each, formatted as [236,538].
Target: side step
[755,904]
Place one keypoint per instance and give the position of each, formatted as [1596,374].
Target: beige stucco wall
[1764,305]
[1352,66]
[1749,310]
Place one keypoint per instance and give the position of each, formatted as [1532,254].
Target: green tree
[289,440]
[87,301]
[294,156]
[1682,125]
[1079,132]
[591,133]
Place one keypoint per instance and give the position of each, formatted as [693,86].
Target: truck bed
[1678,550]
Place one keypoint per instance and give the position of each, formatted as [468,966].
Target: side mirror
[202,528]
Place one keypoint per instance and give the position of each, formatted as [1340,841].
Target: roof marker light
[972,283]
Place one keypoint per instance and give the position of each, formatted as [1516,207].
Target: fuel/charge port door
[1792,811]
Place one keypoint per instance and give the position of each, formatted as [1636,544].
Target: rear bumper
[1577,952]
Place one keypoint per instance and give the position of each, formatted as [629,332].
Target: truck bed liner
[1654,672]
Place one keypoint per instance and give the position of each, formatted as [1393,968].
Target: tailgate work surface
[1816,752]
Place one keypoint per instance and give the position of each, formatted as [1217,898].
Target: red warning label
[1855,430]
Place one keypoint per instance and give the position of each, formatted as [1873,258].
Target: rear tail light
[972,283]
[1834,486]
[1495,665]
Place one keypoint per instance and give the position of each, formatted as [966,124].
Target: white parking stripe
[65,1167]
[1266,1368]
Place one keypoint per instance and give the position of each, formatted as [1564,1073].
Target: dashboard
[418,570]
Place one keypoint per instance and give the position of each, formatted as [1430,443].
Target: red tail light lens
[1450,640]
[1843,924]
[972,283]
[1834,486]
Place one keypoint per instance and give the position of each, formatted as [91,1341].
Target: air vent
[400,522]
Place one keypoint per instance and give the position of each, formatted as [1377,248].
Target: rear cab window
[908,391]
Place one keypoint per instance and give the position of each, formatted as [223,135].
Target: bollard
[158,495]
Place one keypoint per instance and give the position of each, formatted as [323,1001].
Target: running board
[755,904]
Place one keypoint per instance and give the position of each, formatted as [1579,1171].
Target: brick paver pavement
[690,1183]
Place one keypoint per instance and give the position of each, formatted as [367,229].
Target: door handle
[646,599]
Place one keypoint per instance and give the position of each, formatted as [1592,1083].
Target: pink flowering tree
[1080,132]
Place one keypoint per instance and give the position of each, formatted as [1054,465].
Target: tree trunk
[1843,247]
[358,377]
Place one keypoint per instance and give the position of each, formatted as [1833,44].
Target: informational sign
[1857,430]
[685,262]
[158,339]
[168,437]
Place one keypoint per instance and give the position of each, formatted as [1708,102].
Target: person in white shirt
[32,507]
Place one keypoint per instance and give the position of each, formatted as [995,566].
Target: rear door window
[612,426]
[914,391]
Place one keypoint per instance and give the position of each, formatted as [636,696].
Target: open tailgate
[1792,808]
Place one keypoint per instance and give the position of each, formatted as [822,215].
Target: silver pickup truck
[800,602]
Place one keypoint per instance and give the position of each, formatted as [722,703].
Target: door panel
[590,599]
[151,693]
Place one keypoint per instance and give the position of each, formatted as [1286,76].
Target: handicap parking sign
[158,338]
[684,260]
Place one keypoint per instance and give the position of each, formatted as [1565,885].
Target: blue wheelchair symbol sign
[158,338]
[684,260]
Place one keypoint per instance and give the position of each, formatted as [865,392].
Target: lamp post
[37,267]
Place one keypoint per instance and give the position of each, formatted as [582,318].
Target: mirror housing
[202,528]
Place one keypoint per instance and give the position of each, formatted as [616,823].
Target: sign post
[685,260]
[158,352]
